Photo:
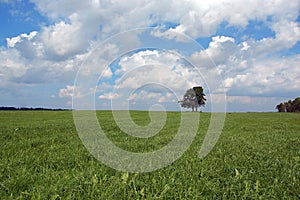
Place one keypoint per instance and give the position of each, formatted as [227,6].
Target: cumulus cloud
[11,42]
[152,97]
[68,91]
[109,96]
[12,65]
[154,66]
[218,52]
[202,18]
[271,77]
[107,73]
[194,18]
[172,33]
[54,53]
[147,57]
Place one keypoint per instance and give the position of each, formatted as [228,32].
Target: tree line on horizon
[26,108]
[289,106]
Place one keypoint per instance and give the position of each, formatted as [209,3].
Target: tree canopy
[193,98]
[289,106]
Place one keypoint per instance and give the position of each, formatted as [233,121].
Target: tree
[200,95]
[193,98]
[296,105]
[281,107]
[289,106]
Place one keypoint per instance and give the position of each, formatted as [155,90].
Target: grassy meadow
[256,157]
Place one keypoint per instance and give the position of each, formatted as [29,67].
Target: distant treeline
[25,108]
[289,106]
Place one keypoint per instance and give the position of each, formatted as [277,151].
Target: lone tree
[193,98]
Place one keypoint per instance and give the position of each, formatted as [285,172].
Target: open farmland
[257,156]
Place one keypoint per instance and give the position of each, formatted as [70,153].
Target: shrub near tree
[289,106]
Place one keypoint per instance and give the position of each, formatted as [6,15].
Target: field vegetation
[256,157]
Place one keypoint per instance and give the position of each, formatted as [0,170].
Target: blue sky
[18,18]
[251,47]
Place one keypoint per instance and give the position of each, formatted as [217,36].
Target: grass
[256,157]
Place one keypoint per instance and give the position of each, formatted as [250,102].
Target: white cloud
[267,76]
[218,52]
[239,79]
[162,99]
[287,35]
[64,39]
[107,73]
[55,53]
[159,67]
[147,57]
[69,91]
[109,96]
[202,18]
[172,33]
[152,97]
[194,18]
[155,75]
[11,64]
[245,47]
[11,42]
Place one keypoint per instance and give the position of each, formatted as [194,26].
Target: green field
[256,157]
